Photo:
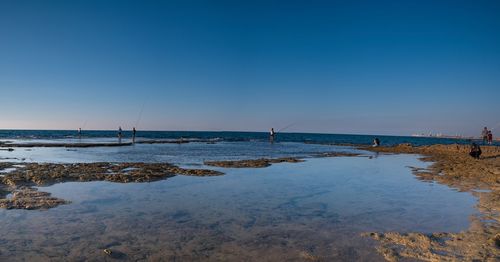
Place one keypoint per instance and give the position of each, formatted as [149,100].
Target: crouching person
[475,151]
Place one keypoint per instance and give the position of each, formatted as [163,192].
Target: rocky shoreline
[452,166]
[21,181]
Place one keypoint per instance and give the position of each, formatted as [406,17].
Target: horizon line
[223,131]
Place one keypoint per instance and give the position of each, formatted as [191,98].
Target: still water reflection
[314,209]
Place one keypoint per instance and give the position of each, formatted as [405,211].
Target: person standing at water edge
[79,133]
[119,134]
[272,134]
[133,134]
[485,135]
[490,138]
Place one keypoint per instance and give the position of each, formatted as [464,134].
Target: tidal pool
[316,209]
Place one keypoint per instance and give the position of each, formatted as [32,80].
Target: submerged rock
[336,154]
[254,163]
[30,198]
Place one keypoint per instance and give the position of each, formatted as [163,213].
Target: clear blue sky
[374,67]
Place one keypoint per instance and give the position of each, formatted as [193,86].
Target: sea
[231,136]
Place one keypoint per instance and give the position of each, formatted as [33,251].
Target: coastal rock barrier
[8,145]
[69,145]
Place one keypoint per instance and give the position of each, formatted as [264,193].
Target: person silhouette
[485,135]
[272,135]
[119,134]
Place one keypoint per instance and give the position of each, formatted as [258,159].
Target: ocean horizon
[228,136]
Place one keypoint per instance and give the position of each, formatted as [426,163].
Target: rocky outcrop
[20,181]
[452,166]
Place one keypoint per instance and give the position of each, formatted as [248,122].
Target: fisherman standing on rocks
[133,134]
[119,134]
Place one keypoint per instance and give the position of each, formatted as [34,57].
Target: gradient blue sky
[374,67]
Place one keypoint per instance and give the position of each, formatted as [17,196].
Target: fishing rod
[272,137]
[285,128]
[140,115]
[497,125]
[138,121]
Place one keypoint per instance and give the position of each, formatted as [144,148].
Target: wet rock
[336,154]
[308,256]
[30,198]
[4,165]
[44,174]
[252,163]
[70,145]
[265,162]
[115,254]
[179,141]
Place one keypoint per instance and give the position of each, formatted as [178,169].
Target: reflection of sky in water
[190,153]
[319,206]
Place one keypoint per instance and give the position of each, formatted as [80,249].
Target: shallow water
[182,154]
[283,212]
